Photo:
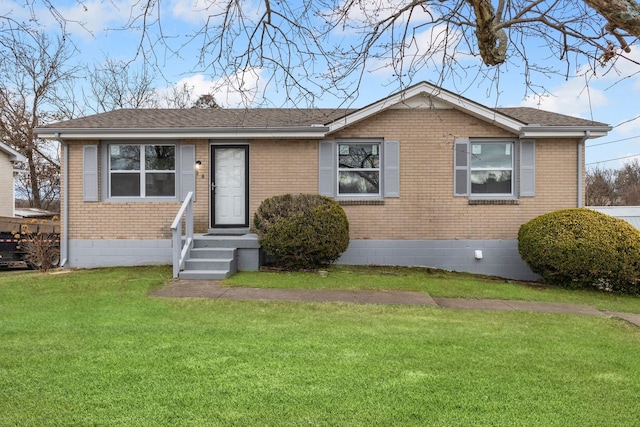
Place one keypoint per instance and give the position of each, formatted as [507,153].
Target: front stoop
[210,263]
[215,257]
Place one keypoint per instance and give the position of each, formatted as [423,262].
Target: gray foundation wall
[499,257]
[111,253]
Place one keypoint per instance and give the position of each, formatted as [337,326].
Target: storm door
[229,186]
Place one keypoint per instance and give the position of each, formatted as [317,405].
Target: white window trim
[379,169]
[106,175]
[514,147]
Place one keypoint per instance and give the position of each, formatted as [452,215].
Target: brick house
[426,177]
[8,158]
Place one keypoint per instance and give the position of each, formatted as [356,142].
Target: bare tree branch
[33,67]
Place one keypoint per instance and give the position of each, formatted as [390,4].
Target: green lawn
[93,348]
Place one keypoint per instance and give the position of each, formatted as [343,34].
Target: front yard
[93,348]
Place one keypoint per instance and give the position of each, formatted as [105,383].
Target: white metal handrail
[180,248]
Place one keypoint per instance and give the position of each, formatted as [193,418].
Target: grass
[436,283]
[94,348]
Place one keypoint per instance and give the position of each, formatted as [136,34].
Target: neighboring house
[8,159]
[426,177]
[631,214]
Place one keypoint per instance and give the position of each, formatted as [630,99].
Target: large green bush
[582,248]
[302,231]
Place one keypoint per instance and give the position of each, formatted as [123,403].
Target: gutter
[313,131]
[535,131]
[64,238]
[587,135]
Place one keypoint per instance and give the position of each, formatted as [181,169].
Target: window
[491,168]
[142,170]
[358,169]
[499,168]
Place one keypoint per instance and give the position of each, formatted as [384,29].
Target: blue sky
[611,98]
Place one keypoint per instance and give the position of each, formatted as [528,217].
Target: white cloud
[199,12]
[86,19]
[361,15]
[629,123]
[573,98]
[236,91]
[196,11]
[425,53]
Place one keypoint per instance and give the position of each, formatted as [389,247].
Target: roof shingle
[203,118]
[532,116]
[267,118]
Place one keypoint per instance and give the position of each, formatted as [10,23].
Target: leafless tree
[600,187]
[308,48]
[32,69]
[614,187]
[180,96]
[119,84]
[312,47]
[206,101]
[627,183]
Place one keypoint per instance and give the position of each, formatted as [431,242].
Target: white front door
[229,186]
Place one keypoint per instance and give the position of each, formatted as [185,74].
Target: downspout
[64,238]
[581,143]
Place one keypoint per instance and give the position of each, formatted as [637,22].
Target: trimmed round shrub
[302,231]
[582,248]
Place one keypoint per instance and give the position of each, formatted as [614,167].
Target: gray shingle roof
[203,118]
[532,116]
[267,118]
[292,120]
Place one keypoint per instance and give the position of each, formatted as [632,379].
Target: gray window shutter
[391,172]
[327,173]
[527,168]
[90,173]
[187,170]
[461,167]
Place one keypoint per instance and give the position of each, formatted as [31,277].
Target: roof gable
[522,121]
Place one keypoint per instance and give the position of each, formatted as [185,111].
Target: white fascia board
[564,132]
[14,156]
[455,101]
[156,134]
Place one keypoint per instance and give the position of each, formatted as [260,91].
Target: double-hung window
[358,169]
[142,170]
[500,168]
[491,168]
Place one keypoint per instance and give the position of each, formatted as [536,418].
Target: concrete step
[209,264]
[212,253]
[211,241]
[216,257]
[204,274]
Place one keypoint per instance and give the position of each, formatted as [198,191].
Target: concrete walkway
[212,289]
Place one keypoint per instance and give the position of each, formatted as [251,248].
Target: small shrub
[40,245]
[302,231]
[582,248]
